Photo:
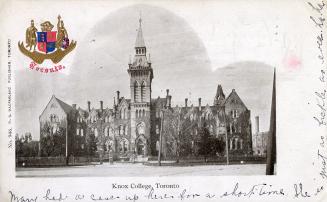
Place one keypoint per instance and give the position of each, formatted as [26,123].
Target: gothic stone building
[132,126]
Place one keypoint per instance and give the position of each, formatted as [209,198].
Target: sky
[181,61]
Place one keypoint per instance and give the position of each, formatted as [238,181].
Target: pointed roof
[234,96]
[66,107]
[220,96]
[139,38]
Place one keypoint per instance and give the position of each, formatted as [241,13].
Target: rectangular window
[157,129]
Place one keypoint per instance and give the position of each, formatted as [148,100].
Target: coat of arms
[47,44]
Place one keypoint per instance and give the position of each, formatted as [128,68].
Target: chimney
[118,96]
[199,104]
[186,102]
[167,90]
[169,101]
[89,106]
[257,124]
[74,106]
[101,105]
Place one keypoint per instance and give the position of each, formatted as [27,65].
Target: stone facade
[131,127]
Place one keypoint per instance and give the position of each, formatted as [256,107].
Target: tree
[176,130]
[52,142]
[25,146]
[205,143]
[19,146]
[217,145]
[91,145]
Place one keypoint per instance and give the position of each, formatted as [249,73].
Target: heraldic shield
[46,41]
[53,45]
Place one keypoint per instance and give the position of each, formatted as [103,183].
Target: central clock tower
[141,75]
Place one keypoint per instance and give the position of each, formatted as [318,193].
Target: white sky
[199,42]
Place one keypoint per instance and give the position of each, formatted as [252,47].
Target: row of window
[233,128]
[54,118]
[234,113]
[80,131]
[140,113]
[236,144]
[108,119]
[123,129]
[108,131]
[123,113]
[139,92]
[140,51]
[122,146]
[79,120]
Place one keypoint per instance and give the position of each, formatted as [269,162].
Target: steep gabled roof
[123,101]
[66,107]
[234,95]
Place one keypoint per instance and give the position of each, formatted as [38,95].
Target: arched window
[96,132]
[77,131]
[125,130]
[235,144]
[82,132]
[123,146]
[157,129]
[111,132]
[106,131]
[136,92]
[140,128]
[120,130]
[143,93]
[143,114]
[137,113]
[125,113]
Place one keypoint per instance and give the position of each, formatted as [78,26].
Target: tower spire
[139,43]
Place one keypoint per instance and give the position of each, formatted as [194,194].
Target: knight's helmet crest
[46,44]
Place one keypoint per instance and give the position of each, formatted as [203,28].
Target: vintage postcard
[163,100]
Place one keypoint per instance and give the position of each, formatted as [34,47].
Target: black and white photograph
[151,106]
[135,100]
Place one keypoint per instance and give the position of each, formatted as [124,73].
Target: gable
[53,107]
[234,100]
[124,103]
